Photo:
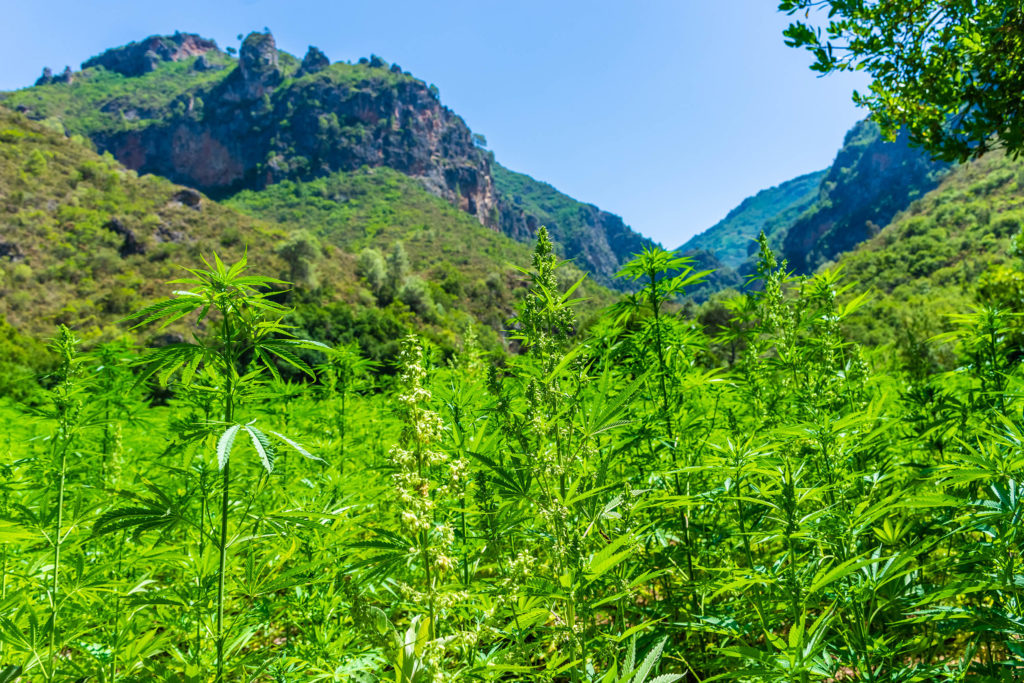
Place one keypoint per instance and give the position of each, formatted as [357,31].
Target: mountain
[597,241]
[870,180]
[84,241]
[734,238]
[179,107]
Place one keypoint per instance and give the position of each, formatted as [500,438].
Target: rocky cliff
[144,56]
[870,181]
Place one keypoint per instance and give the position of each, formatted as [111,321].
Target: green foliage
[945,71]
[798,514]
[86,241]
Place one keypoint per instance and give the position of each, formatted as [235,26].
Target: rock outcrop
[269,118]
[870,181]
[65,76]
[138,58]
[254,131]
[314,61]
[257,73]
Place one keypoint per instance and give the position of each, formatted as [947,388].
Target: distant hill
[597,241]
[733,238]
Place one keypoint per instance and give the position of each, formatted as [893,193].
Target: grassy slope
[63,262]
[468,266]
[935,257]
[771,210]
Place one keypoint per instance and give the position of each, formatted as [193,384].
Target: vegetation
[947,72]
[84,105]
[608,505]
[733,240]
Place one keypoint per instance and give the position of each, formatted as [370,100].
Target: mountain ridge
[179,107]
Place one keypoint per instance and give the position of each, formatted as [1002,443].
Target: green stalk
[56,560]
[229,416]
[117,613]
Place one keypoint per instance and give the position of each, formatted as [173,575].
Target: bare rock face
[188,197]
[870,181]
[257,72]
[131,244]
[65,76]
[46,78]
[313,62]
[136,59]
[11,251]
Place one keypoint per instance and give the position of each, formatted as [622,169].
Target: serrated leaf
[224,444]
[263,447]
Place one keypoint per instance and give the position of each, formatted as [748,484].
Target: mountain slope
[770,210]
[594,239]
[868,183]
[83,241]
[179,107]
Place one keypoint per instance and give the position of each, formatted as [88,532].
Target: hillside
[84,241]
[771,210]
[596,240]
[952,247]
[179,107]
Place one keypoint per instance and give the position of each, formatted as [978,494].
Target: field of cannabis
[604,505]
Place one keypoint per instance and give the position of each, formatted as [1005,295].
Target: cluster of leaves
[799,515]
[945,71]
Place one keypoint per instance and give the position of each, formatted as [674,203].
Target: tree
[301,252]
[371,267]
[951,72]
[398,269]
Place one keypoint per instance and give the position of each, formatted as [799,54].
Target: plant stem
[229,416]
[56,557]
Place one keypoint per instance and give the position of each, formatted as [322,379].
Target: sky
[666,112]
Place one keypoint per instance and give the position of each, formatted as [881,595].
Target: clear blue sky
[666,112]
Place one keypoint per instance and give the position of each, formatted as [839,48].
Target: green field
[608,505]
